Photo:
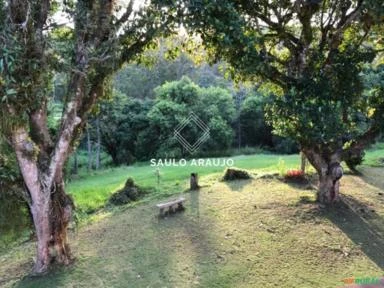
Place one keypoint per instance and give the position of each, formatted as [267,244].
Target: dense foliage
[135,129]
[101,36]
[313,53]
[130,133]
[14,214]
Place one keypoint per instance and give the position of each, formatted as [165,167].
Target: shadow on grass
[309,182]
[194,200]
[301,185]
[201,254]
[359,222]
[54,279]
[138,249]
[373,176]
[362,225]
[238,185]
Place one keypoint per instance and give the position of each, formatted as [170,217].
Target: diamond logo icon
[204,136]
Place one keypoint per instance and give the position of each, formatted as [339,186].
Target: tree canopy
[313,52]
[34,44]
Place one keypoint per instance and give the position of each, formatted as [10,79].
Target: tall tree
[312,51]
[98,45]
[98,144]
[89,150]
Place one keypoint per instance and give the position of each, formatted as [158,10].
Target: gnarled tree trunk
[330,172]
[61,214]
[51,209]
[51,212]
[40,212]
[99,51]
[328,189]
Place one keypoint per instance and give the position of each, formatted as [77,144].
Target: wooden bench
[175,205]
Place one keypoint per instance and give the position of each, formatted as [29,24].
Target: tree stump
[194,181]
[303,162]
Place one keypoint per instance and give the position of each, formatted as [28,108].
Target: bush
[15,220]
[130,192]
[354,158]
[232,174]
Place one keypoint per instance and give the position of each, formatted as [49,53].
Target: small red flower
[294,173]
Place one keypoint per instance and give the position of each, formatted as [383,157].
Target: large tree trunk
[50,207]
[328,190]
[330,172]
[40,213]
[51,215]
[41,160]
[62,207]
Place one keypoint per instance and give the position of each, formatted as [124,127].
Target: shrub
[354,158]
[235,174]
[130,192]
[15,221]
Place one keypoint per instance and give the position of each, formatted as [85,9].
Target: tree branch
[25,150]
[123,19]
[343,24]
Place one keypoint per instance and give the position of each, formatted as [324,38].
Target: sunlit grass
[93,191]
[252,233]
[375,155]
[246,234]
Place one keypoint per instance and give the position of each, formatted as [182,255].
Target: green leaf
[11,92]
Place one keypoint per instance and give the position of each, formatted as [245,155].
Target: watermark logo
[204,133]
[214,162]
[189,142]
[364,281]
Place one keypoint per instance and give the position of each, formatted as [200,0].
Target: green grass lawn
[375,155]
[251,233]
[243,234]
[93,191]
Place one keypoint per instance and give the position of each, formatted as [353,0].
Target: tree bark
[303,162]
[62,207]
[330,172]
[328,190]
[89,146]
[50,207]
[40,214]
[97,162]
[41,158]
